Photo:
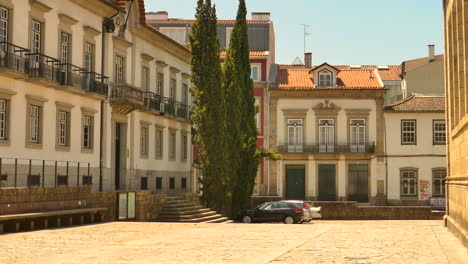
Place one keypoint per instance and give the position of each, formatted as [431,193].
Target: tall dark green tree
[209,107]
[238,82]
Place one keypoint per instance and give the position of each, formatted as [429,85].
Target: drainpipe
[267,128]
[101,119]
[386,158]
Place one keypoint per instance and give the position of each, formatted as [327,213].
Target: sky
[377,32]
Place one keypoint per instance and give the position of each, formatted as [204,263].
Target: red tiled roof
[253,53]
[416,103]
[190,21]
[291,77]
[391,74]
[142,11]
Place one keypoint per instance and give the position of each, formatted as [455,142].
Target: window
[172,145]
[89,57]
[325,78]
[185,94]
[144,141]
[183,183]
[144,183]
[172,183]
[145,79]
[65,48]
[357,132]
[438,182]
[255,73]
[258,119]
[184,147]
[160,84]
[439,132]
[408,132]
[88,123]
[34,124]
[4,24]
[326,135]
[3,119]
[409,182]
[228,36]
[119,69]
[158,183]
[158,143]
[63,133]
[36,39]
[295,135]
[172,89]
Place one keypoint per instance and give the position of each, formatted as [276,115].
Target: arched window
[325,78]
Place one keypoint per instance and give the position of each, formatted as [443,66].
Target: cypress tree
[209,116]
[249,154]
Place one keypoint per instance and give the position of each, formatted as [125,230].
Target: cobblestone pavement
[318,242]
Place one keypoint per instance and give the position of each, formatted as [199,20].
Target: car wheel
[288,220]
[246,219]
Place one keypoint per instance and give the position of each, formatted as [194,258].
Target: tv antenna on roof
[306,34]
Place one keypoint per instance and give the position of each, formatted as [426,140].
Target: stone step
[172,198]
[180,205]
[201,219]
[221,220]
[187,212]
[176,202]
[181,210]
[186,217]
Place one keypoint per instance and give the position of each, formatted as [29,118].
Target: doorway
[120,156]
[327,182]
[358,188]
[295,182]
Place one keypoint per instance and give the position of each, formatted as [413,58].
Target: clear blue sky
[342,31]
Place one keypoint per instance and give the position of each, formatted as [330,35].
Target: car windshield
[266,206]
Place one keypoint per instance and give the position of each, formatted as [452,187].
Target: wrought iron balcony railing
[96,83]
[43,66]
[330,148]
[183,111]
[72,75]
[169,106]
[153,101]
[13,57]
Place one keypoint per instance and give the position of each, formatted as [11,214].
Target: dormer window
[325,78]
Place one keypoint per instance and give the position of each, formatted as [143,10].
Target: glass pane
[131,205]
[122,206]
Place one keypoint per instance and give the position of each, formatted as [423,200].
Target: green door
[295,182]
[358,183]
[327,182]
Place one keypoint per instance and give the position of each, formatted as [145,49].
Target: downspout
[267,125]
[101,118]
[386,158]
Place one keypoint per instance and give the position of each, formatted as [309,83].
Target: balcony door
[326,135]
[295,135]
[357,135]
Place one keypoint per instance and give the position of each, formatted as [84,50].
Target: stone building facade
[456,88]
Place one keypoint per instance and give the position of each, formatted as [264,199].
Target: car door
[263,213]
[281,210]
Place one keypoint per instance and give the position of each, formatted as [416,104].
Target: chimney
[261,16]
[308,60]
[160,15]
[431,52]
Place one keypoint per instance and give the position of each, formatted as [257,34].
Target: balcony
[13,61]
[333,148]
[96,84]
[44,70]
[153,101]
[125,98]
[72,78]
[183,111]
[169,106]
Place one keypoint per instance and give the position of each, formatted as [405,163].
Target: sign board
[438,203]
[424,189]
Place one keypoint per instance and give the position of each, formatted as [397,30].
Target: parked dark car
[286,212]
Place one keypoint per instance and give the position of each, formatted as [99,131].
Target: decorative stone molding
[326,107]
[161,63]
[122,42]
[66,19]
[88,30]
[185,75]
[40,6]
[64,104]
[146,57]
[174,70]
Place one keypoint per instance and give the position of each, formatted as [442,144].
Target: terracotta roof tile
[190,21]
[416,103]
[391,74]
[293,77]
[253,53]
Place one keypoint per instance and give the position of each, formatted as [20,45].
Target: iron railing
[169,106]
[153,101]
[13,57]
[330,148]
[29,173]
[43,66]
[72,75]
[124,93]
[183,111]
[96,83]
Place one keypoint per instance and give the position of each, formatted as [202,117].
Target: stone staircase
[178,209]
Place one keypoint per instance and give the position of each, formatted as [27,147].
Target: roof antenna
[306,34]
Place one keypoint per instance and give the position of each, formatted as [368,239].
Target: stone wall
[193,197]
[148,205]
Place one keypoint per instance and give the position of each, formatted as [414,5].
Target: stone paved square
[317,242]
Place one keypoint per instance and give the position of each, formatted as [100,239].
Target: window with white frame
[326,135]
[4,24]
[409,182]
[144,136]
[295,135]
[408,132]
[119,69]
[255,72]
[160,84]
[3,119]
[325,78]
[439,132]
[172,145]
[88,123]
[172,89]
[159,144]
[36,39]
[89,57]
[63,125]
[34,124]
[64,47]
[228,36]
[357,130]
[184,147]
[438,182]
[145,79]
